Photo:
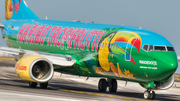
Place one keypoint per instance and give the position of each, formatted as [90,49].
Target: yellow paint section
[23,65]
[119,68]
[98,70]
[8,7]
[128,74]
[126,35]
[114,69]
[103,55]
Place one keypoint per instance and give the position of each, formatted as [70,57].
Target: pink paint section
[77,41]
[39,32]
[43,35]
[91,34]
[17,7]
[54,36]
[20,33]
[34,35]
[72,37]
[89,40]
[94,33]
[76,38]
[83,33]
[52,30]
[67,36]
[100,34]
[58,35]
[31,32]
[63,31]
[25,34]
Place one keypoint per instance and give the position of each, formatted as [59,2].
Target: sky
[161,16]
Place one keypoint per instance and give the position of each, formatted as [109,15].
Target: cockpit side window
[170,49]
[145,47]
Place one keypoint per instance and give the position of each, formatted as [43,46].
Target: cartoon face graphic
[8,9]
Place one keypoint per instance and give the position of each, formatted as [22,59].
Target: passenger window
[170,49]
[145,47]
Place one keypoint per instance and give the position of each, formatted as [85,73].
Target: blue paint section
[21,11]
[120,44]
[148,37]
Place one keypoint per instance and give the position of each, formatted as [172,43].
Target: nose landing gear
[149,94]
[111,83]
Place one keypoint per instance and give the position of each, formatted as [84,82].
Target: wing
[61,60]
[1,26]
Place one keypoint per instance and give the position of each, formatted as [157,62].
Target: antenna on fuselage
[85,20]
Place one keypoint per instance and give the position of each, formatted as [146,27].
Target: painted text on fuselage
[60,36]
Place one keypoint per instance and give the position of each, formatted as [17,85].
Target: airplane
[109,52]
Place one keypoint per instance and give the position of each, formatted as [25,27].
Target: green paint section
[149,85]
[87,62]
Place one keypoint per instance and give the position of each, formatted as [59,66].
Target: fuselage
[112,51]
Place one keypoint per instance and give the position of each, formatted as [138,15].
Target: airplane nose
[173,64]
[166,65]
[169,63]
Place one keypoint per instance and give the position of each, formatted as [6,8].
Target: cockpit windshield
[149,48]
[160,48]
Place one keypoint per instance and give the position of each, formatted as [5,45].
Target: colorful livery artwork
[113,52]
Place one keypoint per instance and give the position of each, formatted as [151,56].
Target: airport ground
[72,88]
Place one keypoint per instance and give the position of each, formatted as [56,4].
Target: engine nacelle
[34,68]
[161,85]
[165,85]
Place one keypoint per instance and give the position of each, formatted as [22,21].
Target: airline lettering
[19,67]
[36,34]
[147,62]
